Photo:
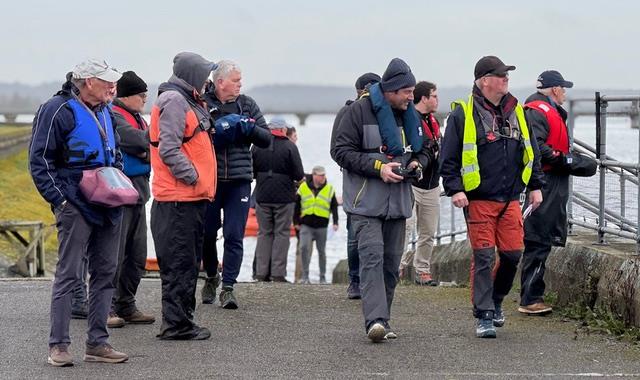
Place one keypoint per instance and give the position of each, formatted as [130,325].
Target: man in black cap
[488,158]
[548,225]
[134,144]
[378,144]
[362,86]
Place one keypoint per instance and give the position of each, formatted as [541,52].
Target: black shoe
[227,298]
[353,291]
[389,334]
[79,312]
[279,279]
[498,316]
[198,333]
[209,289]
[203,334]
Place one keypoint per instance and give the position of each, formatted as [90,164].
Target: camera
[408,173]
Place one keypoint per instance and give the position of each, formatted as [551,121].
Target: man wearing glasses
[488,158]
[132,256]
[74,131]
[547,226]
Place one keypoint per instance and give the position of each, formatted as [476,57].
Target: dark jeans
[232,197]
[132,258]
[534,259]
[79,242]
[177,229]
[380,244]
[353,260]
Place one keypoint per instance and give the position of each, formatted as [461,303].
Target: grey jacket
[357,144]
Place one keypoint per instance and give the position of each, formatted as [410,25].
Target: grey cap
[96,68]
[318,170]
[278,122]
[397,76]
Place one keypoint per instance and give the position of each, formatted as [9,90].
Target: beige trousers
[424,221]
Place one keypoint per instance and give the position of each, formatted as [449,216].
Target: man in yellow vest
[488,158]
[315,202]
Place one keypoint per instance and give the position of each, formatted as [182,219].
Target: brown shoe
[138,317]
[114,322]
[104,353]
[539,308]
[59,356]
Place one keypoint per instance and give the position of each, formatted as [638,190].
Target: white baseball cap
[96,68]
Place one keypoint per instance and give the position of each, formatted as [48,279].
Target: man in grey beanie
[378,143]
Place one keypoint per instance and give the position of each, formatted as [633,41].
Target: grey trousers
[380,245]
[99,244]
[132,258]
[274,224]
[307,236]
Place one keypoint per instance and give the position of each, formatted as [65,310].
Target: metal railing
[607,220]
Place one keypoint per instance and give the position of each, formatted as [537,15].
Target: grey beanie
[398,75]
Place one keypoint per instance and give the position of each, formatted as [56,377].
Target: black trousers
[178,230]
[132,257]
[534,261]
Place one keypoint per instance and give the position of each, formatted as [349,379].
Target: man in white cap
[73,131]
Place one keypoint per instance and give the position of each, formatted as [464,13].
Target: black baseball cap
[490,64]
[552,78]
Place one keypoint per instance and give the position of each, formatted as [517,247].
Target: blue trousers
[232,197]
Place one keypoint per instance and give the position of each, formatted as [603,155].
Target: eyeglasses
[501,75]
[143,95]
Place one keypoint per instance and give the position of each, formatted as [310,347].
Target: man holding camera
[378,142]
[548,225]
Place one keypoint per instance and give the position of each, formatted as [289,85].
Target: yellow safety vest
[319,205]
[470,169]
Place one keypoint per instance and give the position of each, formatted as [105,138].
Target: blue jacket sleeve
[49,124]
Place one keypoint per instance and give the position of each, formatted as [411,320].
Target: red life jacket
[434,125]
[129,118]
[558,137]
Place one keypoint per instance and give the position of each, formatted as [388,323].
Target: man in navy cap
[378,144]
[547,226]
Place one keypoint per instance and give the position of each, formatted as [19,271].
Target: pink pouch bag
[108,187]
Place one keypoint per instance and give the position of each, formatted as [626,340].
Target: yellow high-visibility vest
[319,205]
[470,169]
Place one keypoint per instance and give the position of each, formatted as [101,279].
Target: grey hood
[193,69]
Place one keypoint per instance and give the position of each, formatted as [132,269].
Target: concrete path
[292,331]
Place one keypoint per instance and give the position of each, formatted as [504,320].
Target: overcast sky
[594,44]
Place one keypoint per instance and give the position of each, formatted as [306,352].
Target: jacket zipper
[355,201]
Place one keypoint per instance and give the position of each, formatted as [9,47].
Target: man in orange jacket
[184,182]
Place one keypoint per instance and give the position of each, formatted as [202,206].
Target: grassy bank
[21,201]
[7,131]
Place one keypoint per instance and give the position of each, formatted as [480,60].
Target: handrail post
[570,125]
[601,150]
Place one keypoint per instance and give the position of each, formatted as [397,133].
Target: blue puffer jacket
[54,161]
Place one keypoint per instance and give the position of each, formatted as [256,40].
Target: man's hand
[335,227]
[460,200]
[535,199]
[387,174]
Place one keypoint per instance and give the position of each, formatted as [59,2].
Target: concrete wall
[597,276]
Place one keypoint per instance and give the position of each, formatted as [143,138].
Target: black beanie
[366,79]
[398,75]
[130,84]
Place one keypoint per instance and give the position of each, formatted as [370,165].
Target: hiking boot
[114,321]
[389,334]
[139,318]
[209,289]
[323,280]
[376,332]
[425,279]
[353,291]
[498,316]
[227,299]
[539,308]
[104,353]
[59,356]
[485,327]
[79,312]
[279,279]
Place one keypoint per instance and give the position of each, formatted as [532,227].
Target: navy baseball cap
[552,78]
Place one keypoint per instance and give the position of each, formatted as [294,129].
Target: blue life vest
[132,165]
[85,145]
